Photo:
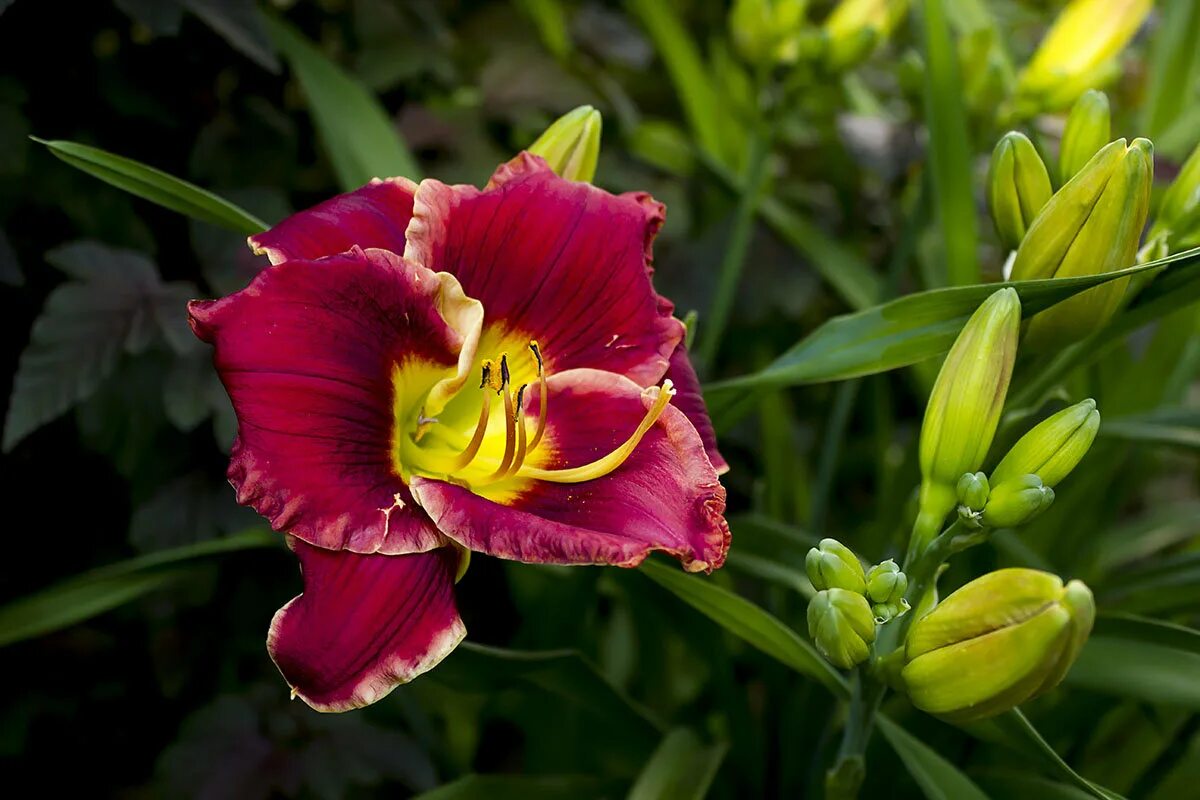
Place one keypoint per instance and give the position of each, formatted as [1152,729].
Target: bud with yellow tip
[1053,447]
[1089,127]
[1079,52]
[1018,186]
[842,626]
[571,145]
[856,27]
[1092,225]
[832,565]
[995,643]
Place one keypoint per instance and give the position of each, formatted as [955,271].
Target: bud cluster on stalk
[850,602]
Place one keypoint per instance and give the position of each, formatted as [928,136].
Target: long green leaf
[106,588]
[1141,659]
[1174,66]
[916,327]
[937,777]
[949,148]
[155,185]
[1178,427]
[749,622]
[1029,787]
[361,140]
[681,768]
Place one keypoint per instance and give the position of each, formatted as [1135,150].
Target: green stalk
[713,329]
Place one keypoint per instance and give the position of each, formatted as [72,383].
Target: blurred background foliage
[795,194]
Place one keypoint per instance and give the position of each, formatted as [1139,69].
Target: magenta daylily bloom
[430,370]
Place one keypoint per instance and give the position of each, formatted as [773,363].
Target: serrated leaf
[155,185]
[682,767]
[749,622]
[361,140]
[81,332]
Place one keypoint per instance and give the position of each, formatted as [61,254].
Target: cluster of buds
[997,642]
[850,602]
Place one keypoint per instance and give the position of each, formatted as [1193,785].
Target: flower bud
[973,490]
[1179,212]
[1016,502]
[886,612]
[842,626]
[856,27]
[1088,129]
[1018,187]
[767,32]
[965,404]
[1080,51]
[832,565]
[1092,225]
[886,583]
[1053,447]
[571,146]
[997,642]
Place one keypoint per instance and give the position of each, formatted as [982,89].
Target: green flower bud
[973,490]
[1092,225]
[571,146]
[832,565]
[1018,187]
[1053,447]
[767,31]
[842,626]
[997,642]
[886,583]
[1016,501]
[965,404]
[1079,51]
[886,612]
[856,27]
[1088,129]
[1179,213]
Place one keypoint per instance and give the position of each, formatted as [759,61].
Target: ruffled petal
[365,624]
[665,496]
[554,260]
[690,400]
[375,215]
[317,356]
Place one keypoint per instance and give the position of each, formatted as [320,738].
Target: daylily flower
[432,370]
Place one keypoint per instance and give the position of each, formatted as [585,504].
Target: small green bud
[886,612]
[973,490]
[886,583]
[571,146]
[1088,129]
[1018,187]
[1092,225]
[856,27]
[767,32]
[842,626]
[1179,213]
[1079,51]
[968,396]
[995,643]
[1016,502]
[1053,447]
[832,565]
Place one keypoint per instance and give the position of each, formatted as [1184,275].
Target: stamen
[519,421]
[509,423]
[543,396]
[472,449]
[602,466]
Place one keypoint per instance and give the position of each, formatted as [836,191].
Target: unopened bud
[571,146]
[1092,225]
[995,643]
[1080,51]
[1018,187]
[973,490]
[886,583]
[968,396]
[842,626]
[1088,129]
[1053,447]
[856,27]
[767,32]
[1016,501]
[832,565]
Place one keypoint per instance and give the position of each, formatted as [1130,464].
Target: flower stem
[713,329]
[843,781]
